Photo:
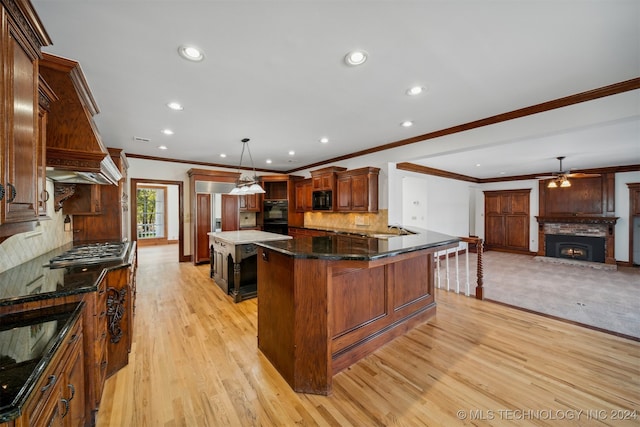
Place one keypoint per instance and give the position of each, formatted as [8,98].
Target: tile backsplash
[369,222]
[48,235]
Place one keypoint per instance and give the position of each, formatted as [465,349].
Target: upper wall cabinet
[22,38]
[325,179]
[357,190]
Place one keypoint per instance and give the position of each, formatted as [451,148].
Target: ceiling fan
[561,178]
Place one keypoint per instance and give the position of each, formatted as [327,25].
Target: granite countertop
[34,280]
[360,248]
[241,237]
[28,342]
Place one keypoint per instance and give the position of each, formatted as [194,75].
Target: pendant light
[246,185]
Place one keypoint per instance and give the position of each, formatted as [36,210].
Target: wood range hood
[75,153]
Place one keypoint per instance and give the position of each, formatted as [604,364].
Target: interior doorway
[156,225]
[151,214]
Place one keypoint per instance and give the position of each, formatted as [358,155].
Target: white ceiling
[274,72]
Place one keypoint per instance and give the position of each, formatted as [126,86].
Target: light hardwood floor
[195,363]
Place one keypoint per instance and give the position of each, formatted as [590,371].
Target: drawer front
[47,394]
[100,374]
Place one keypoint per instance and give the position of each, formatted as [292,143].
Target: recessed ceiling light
[356,57]
[269,161]
[324,140]
[191,53]
[175,106]
[291,152]
[415,90]
[406,123]
[162,147]
[167,131]
[477,165]
[223,155]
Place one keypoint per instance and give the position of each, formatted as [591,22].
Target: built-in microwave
[322,200]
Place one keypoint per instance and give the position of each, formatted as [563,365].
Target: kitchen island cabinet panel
[324,304]
[299,352]
[361,298]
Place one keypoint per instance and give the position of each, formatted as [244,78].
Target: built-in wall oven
[276,216]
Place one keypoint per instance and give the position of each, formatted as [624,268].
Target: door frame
[155,240]
[633,188]
[134,182]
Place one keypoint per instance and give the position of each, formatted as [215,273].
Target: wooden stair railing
[469,242]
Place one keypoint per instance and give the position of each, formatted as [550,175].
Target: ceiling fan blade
[547,177]
[582,175]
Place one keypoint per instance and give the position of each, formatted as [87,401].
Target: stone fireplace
[577,238]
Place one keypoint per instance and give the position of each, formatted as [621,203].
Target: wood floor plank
[195,362]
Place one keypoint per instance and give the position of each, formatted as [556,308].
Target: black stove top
[87,254]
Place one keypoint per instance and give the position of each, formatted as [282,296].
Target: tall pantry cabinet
[507,220]
[22,37]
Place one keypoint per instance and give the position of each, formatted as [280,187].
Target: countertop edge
[15,409]
[358,257]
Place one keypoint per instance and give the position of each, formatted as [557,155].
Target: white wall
[429,202]
[173,199]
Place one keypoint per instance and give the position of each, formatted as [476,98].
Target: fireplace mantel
[578,219]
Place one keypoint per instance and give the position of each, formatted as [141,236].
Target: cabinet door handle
[52,381]
[45,195]
[12,192]
[65,402]
[73,391]
[74,338]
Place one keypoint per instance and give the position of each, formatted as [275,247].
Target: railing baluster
[466,256]
[446,263]
[457,274]
[468,241]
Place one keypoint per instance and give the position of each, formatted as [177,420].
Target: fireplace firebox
[584,248]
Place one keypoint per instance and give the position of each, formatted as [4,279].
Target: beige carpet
[608,300]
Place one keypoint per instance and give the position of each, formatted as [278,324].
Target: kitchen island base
[316,317]
[233,261]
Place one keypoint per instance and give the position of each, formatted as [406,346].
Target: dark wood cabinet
[203,222]
[86,200]
[22,38]
[99,211]
[45,98]
[303,191]
[507,220]
[357,190]
[230,218]
[325,179]
[59,397]
[120,301]
[283,187]
[250,203]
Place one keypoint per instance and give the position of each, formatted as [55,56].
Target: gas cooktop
[88,254]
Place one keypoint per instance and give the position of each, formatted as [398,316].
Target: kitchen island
[233,260]
[326,302]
